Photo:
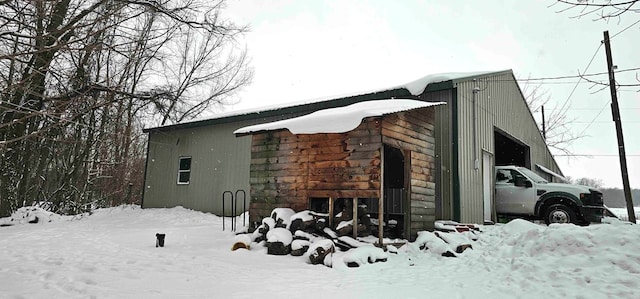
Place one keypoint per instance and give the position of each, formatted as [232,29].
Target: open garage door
[510,151]
[487,187]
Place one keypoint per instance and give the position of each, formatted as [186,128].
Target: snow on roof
[338,120]
[551,172]
[416,88]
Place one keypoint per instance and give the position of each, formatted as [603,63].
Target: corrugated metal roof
[408,90]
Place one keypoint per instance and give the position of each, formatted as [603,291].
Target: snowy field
[112,254]
[623,214]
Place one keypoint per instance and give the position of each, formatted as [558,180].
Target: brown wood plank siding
[287,169]
[413,132]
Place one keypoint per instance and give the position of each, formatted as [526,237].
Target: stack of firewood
[306,233]
[449,239]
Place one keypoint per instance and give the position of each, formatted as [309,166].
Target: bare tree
[601,9]
[591,182]
[78,80]
[558,133]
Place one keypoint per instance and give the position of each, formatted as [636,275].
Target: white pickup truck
[522,193]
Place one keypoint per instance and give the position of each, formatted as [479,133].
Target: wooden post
[615,109]
[355,217]
[331,212]
[381,199]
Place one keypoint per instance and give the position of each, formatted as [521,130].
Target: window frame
[181,171]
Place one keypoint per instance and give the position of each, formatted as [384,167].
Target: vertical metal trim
[454,155]
[474,126]
[146,166]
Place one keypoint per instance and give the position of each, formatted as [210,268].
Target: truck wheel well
[559,200]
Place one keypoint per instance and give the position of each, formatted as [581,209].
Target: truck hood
[575,189]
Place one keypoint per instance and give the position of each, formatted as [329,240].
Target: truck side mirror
[520,181]
[528,184]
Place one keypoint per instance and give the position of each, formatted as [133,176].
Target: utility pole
[615,110]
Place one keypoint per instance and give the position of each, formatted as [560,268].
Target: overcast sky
[312,49]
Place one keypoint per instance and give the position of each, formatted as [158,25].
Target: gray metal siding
[442,132]
[499,104]
[220,162]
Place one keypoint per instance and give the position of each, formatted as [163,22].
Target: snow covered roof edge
[415,88]
[551,172]
[338,120]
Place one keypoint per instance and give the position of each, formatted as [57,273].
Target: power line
[594,119]
[625,29]
[580,79]
[594,155]
[577,76]
[584,109]
[551,83]
[604,122]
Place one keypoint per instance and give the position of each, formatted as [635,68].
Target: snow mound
[593,250]
[518,226]
[518,231]
[33,214]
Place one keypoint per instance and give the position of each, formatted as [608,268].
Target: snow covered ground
[112,254]
[623,214]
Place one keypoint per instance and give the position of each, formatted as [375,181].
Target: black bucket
[160,240]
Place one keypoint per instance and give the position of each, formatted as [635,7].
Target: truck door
[512,199]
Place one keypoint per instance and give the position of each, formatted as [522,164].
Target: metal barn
[485,122]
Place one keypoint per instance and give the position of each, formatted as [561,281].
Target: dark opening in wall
[509,151]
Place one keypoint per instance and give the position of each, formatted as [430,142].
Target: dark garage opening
[393,168]
[509,151]
[395,174]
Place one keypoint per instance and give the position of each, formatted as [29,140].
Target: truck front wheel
[559,213]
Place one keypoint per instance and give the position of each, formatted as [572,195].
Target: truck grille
[594,198]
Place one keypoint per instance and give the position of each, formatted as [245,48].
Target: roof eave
[302,108]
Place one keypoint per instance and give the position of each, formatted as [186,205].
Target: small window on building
[184,170]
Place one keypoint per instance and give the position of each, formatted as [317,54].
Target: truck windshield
[532,175]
